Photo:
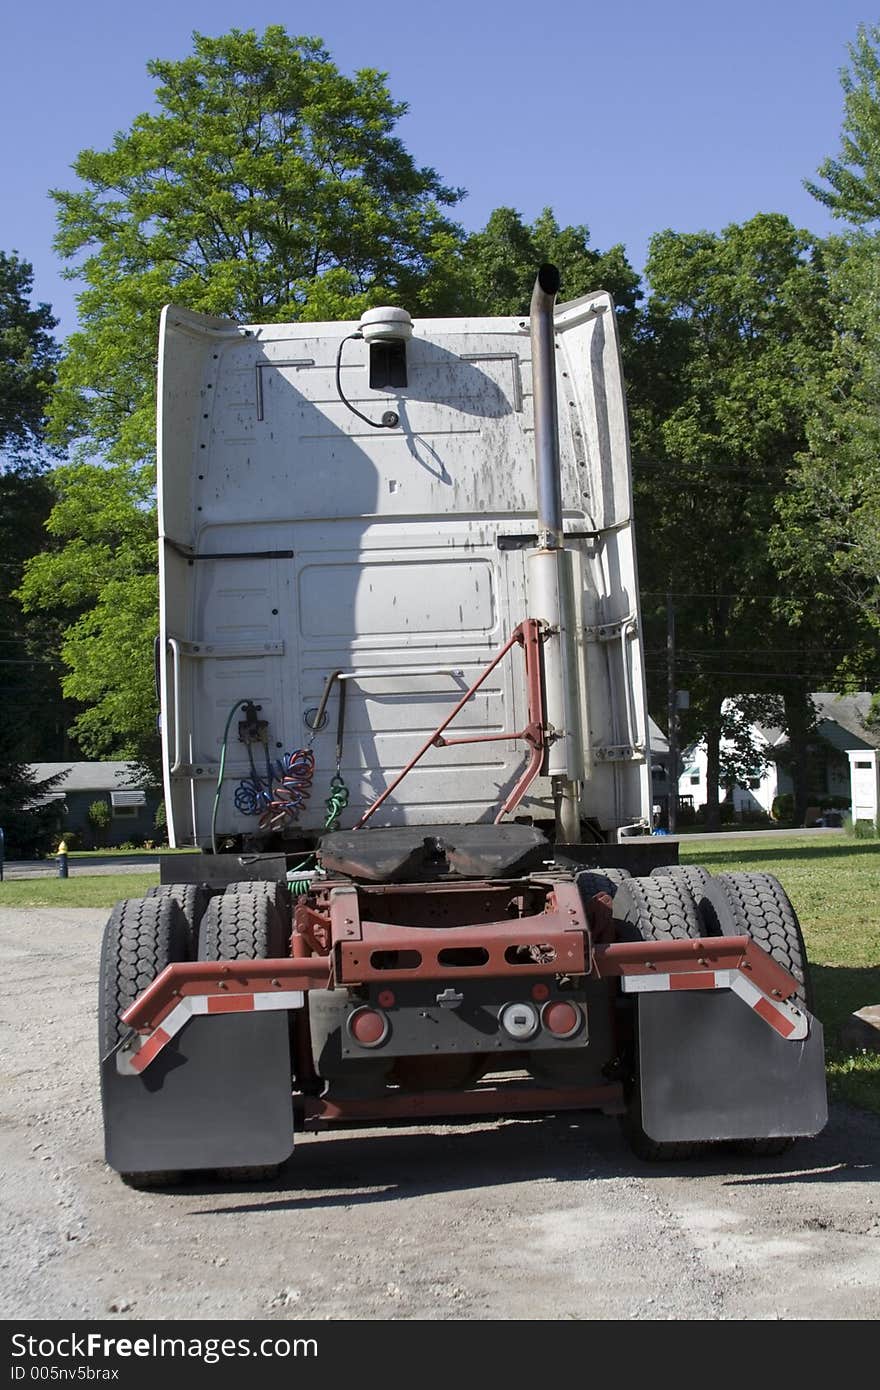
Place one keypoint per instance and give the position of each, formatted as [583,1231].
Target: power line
[821,680]
[682,593]
[739,651]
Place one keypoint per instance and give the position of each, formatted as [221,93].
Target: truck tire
[757,905]
[655,909]
[192,899]
[141,937]
[693,876]
[241,926]
[593,881]
[276,892]
[652,909]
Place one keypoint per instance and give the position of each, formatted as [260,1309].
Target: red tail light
[561,1018]
[369,1027]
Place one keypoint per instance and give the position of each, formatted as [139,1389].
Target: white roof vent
[386,325]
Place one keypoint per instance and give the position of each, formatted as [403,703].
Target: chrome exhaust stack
[549,570]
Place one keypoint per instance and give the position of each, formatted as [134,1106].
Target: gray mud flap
[218,1096]
[711,1068]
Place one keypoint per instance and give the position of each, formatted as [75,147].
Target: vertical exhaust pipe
[550,590]
[547,478]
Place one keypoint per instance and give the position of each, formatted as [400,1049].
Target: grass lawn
[80,890]
[834,885]
[127,853]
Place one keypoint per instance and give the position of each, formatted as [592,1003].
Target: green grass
[115,849]
[834,885]
[80,890]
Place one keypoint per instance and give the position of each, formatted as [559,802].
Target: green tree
[28,353]
[499,265]
[27,818]
[740,317]
[29,660]
[268,186]
[103,569]
[828,537]
[852,178]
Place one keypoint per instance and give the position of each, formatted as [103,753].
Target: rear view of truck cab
[404,725]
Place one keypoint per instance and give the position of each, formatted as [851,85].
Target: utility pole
[671,716]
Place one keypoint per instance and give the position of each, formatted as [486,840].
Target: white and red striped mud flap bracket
[708,963]
[193,989]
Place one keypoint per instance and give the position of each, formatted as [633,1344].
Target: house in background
[840,729]
[660,783]
[131,802]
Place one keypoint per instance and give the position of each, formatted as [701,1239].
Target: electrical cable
[239,704]
[291,791]
[390,420]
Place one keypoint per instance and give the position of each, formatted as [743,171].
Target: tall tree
[828,537]
[499,264]
[852,178]
[741,314]
[829,533]
[268,186]
[28,817]
[28,353]
[33,724]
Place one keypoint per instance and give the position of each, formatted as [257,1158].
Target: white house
[840,729]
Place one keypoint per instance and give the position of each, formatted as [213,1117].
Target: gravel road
[527,1218]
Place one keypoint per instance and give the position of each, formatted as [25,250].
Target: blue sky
[630,117]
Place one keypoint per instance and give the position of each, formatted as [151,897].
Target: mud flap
[218,1096]
[711,1068]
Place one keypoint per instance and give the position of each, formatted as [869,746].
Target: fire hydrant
[61,861]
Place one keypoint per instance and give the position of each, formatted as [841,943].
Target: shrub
[98,817]
[71,838]
[30,834]
[783,807]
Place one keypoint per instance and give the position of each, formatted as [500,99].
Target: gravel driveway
[526,1218]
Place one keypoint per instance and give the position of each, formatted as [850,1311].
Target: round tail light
[368,1027]
[561,1018]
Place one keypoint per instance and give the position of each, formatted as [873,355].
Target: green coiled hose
[335,804]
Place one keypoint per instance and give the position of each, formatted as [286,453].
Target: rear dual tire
[144,935]
[192,899]
[141,938]
[663,908]
[244,925]
[756,905]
